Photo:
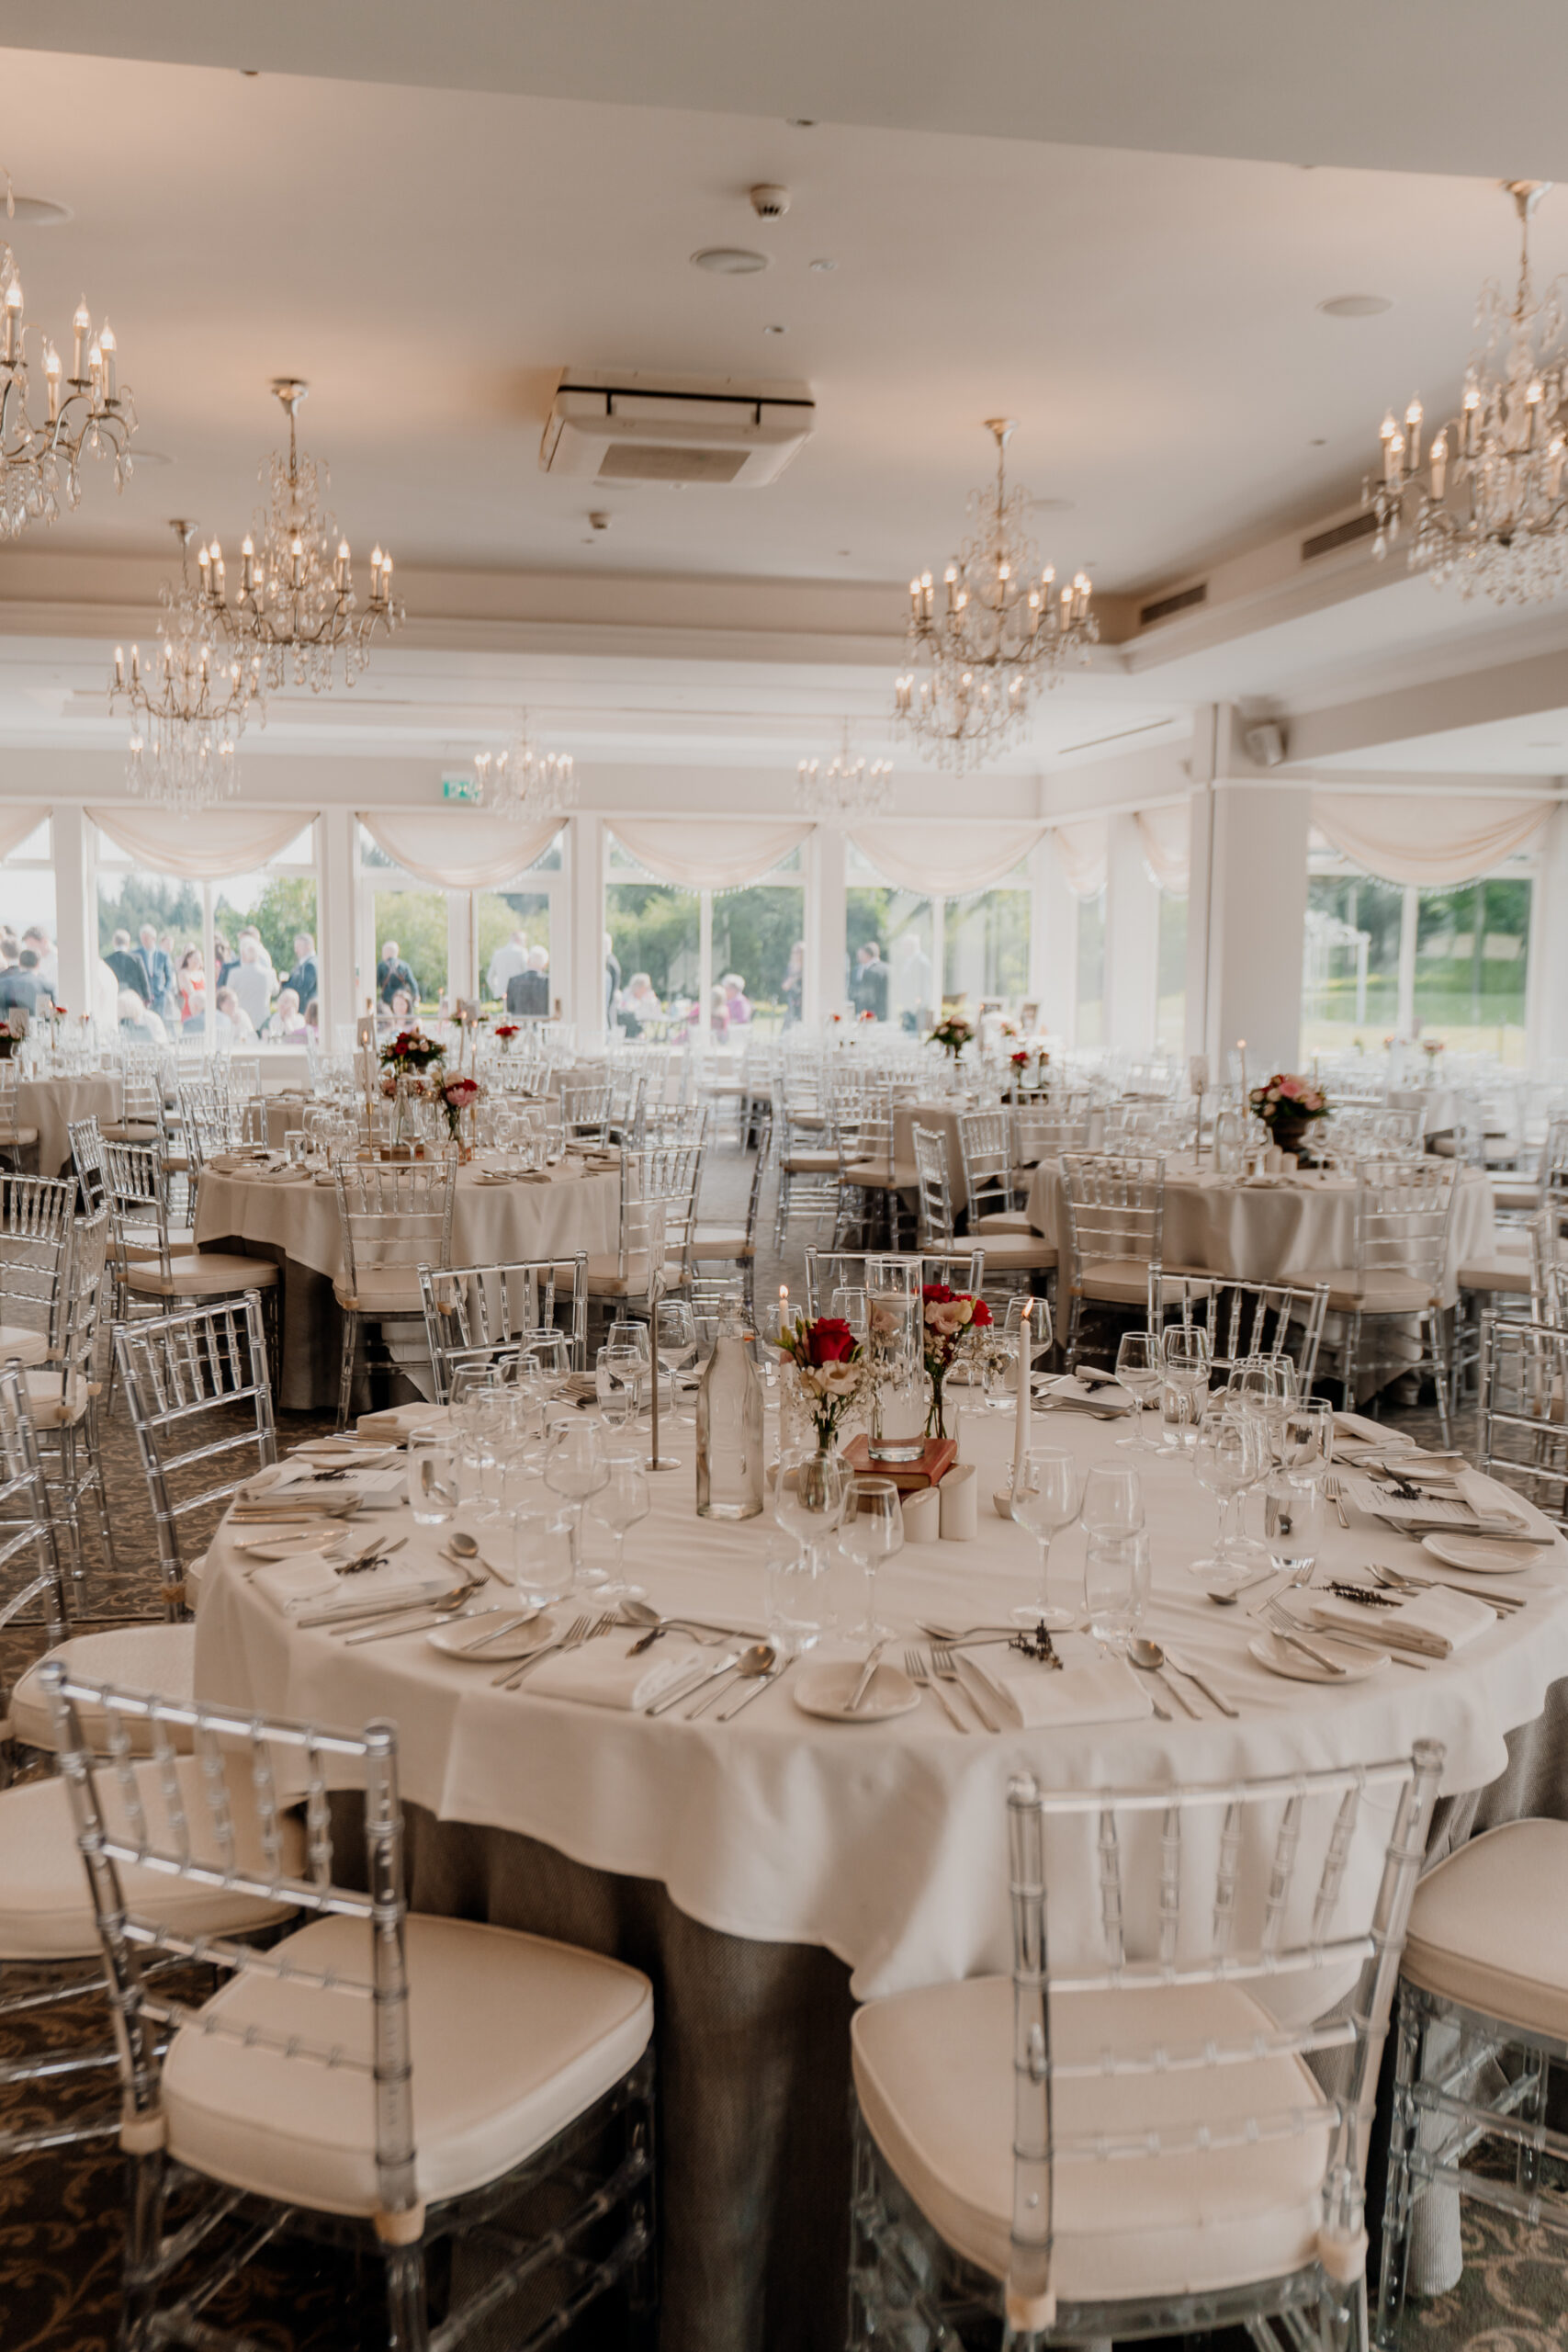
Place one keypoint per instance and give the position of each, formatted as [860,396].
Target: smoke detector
[768,202]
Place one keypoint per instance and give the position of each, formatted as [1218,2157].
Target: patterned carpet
[59,2229]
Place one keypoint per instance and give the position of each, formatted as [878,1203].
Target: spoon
[758,1660]
[1149,1658]
[1227,1596]
[461,1548]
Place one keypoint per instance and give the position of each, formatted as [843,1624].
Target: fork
[1503,1604]
[920,1675]
[1331,1488]
[581,1629]
[944,1668]
[1283,1627]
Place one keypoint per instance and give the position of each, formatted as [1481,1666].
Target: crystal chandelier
[523,782]
[296,602]
[845,789]
[974,666]
[1485,505]
[188,707]
[90,413]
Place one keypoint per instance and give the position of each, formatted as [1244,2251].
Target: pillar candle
[1021,1431]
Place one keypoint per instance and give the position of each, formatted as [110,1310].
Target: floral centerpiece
[504,1031]
[830,1370]
[455,1096]
[409,1051]
[952,1033]
[867,1014]
[1287,1106]
[1432,1047]
[948,1318]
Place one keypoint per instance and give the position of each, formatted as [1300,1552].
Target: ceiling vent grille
[1181,602]
[1342,535]
[675,430]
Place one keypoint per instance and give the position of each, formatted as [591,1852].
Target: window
[890,935]
[198,927]
[978,945]
[1090,1028]
[26,883]
[455,942]
[985,943]
[1472,959]
[655,932]
[677,947]
[755,934]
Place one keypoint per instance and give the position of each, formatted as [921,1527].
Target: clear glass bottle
[729,1426]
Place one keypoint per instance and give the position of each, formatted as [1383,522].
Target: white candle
[1241,1049]
[1021,1431]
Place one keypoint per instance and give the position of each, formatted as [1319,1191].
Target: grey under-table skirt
[754,2047]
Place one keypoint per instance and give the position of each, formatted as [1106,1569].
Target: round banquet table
[53,1105]
[768,1870]
[293,1220]
[1270,1229]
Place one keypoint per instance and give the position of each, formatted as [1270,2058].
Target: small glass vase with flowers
[827,1369]
[949,1323]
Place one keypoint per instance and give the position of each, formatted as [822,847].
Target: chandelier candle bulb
[81,327]
[109,348]
[51,381]
[13,316]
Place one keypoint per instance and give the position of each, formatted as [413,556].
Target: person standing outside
[38,940]
[392,974]
[302,980]
[250,982]
[158,966]
[509,958]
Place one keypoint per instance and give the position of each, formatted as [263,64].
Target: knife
[982,1698]
[864,1684]
[1207,1688]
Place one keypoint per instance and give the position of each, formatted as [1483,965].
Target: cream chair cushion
[27,1347]
[383,1290]
[45,1910]
[1124,1282]
[56,1404]
[1508,1274]
[10,1135]
[1013,1253]
[716,1242]
[812,1163]
[135,1657]
[512,2038]
[988,1227]
[1524,1198]
[1377,1293]
[1489,1926]
[871,1175]
[933,2074]
[209,1274]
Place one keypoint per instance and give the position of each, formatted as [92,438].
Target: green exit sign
[460,788]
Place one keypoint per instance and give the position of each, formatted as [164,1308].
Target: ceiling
[476,202]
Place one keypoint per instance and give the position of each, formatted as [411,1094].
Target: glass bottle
[729,1426]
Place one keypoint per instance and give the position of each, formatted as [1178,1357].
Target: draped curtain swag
[1083,852]
[212,846]
[943,860]
[458,848]
[1166,836]
[17,823]
[707,853]
[1432,838]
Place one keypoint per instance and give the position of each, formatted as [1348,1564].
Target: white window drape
[1166,836]
[458,848]
[1431,838]
[16,822]
[945,860]
[1083,851]
[212,846]
[707,853]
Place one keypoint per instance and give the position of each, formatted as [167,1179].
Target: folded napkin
[394,1424]
[1105,1399]
[1357,1430]
[1086,1689]
[605,1676]
[311,1583]
[1435,1624]
[373,1487]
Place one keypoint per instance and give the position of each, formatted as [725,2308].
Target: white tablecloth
[885,1843]
[1299,1227]
[491,1224]
[52,1105]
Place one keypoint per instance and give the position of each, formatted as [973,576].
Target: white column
[1132,941]
[1546,1030]
[338,947]
[826,926]
[582,961]
[1409,928]
[1257,920]
[75,908]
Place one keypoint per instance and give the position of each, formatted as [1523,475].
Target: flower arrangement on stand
[458,1097]
[504,1031]
[1030,1081]
[831,1371]
[1287,1104]
[404,1060]
[953,1033]
[949,1321]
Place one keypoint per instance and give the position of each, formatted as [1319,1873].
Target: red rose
[982,1313]
[939,1291]
[829,1340]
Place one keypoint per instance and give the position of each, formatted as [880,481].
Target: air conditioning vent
[1342,535]
[1181,602]
[675,430]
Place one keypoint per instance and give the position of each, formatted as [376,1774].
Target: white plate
[1479,1555]
[826,1690]
[1296,1666]
[522,1642]
[297,1545]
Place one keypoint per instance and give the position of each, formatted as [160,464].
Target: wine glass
[1046,1497]
[1112,1500]
[1293,1517]
[811,1496]
[675,1336]
[617,1375]
[575,1468]
[1000,1371]
[1139,1370]
[1184,1377]
[852,1305]
[1116,1583]
[621,1502]
[872,1530]
[432,1476]
[1225,1459]
[546,1365]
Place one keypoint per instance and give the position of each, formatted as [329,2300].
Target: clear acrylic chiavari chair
[1159,2124]
[482,1315]
[286,2100]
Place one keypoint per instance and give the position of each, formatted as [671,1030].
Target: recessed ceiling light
[1317,442]
[730,261]
[772,329]
[801,122]
[822,264]
[1356,305]
[40,211]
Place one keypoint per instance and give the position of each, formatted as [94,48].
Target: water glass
[1139,1370]
[1112,1501]
[1000,1372]
[1293,1515]
[1184,1380]
[795,1611]
[433,1477]
[1116,1583]
[575,1468]
[534,1544]
[617,1376]
[873,1532]
[621,1503]
[1045,1499]
[675,1336]
[1305,1442]
[1229,1446]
